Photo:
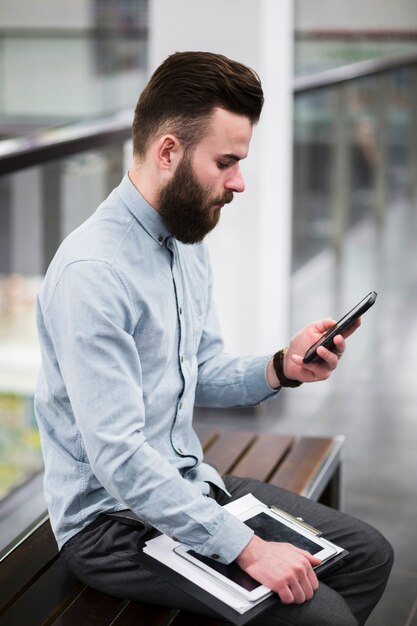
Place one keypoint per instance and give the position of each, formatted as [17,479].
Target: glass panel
[313,137]
[38,208]
[54,73]
[355,173]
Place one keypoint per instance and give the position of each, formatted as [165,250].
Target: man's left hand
[321,369]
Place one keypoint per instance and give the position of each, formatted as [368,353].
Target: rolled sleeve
[230,538]
[225,382]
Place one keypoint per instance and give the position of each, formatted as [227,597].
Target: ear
[168,152]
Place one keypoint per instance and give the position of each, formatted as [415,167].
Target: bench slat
[302,463]
[207,436]
[227,449]
[24,563]
[263,457]
[90,607]
[135,614]
[52,590]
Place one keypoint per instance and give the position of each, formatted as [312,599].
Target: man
[130,342]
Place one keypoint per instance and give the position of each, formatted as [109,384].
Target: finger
[306,578]
[300,591]
[329,361]
[313,580]
[293,593]
[284,592]
[307,589]
[324,325]
[297,359]
[311,558]
[339,345]
[317,370]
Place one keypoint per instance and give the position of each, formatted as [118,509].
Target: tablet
[270,526]
[232,576]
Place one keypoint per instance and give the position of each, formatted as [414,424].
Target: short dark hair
[183,92]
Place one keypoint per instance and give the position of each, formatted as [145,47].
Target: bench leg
[333,492]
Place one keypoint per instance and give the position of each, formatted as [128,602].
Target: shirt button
[180,406]
[180,450]
[182,359]
[160,238]
[215,557]
[180,310]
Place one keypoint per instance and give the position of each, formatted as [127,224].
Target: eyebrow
[232,157]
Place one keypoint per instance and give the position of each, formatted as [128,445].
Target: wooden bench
[37,588]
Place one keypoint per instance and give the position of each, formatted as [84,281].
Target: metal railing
[355,144]
[49,145]
[54,144]
[353,71]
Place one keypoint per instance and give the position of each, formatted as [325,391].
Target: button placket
[176,277]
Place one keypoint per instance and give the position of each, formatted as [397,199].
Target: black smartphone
[342,325]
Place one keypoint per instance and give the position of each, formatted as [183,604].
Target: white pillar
[250,249]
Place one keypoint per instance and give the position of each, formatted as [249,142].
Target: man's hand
[282,567]
[296,369]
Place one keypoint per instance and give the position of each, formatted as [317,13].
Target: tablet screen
[231,571]
[268,529]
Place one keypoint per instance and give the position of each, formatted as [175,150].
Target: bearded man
[130,344]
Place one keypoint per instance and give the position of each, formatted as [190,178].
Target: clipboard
[299,520]
[221,608]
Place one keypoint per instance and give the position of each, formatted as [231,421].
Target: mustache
[226,198]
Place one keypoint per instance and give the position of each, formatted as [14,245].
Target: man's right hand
[282,567]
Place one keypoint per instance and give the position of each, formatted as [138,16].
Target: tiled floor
[372,398]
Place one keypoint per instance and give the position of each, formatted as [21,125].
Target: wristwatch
[278,362]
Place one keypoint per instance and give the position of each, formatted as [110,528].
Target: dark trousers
[102,556]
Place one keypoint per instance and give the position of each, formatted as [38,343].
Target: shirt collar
[148,217]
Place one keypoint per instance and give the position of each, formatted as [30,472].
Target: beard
[187,207]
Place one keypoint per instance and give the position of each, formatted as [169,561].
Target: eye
[222,166]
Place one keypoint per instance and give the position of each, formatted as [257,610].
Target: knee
[326,608]
[341,619]
[380,551]
[386,555]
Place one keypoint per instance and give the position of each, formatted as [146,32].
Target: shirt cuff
[256,380]
[231,537]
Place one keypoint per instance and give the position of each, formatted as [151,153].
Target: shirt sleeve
[225,380]
[90,319]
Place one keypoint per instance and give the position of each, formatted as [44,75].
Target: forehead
[228,134]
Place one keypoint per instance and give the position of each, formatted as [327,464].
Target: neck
[145,181]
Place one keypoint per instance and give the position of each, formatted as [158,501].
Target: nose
[235,181]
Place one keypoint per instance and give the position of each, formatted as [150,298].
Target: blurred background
[329,214]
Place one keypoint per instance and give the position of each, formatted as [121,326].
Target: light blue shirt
[130,342]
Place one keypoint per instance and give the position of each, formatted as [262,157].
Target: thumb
[297,359]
